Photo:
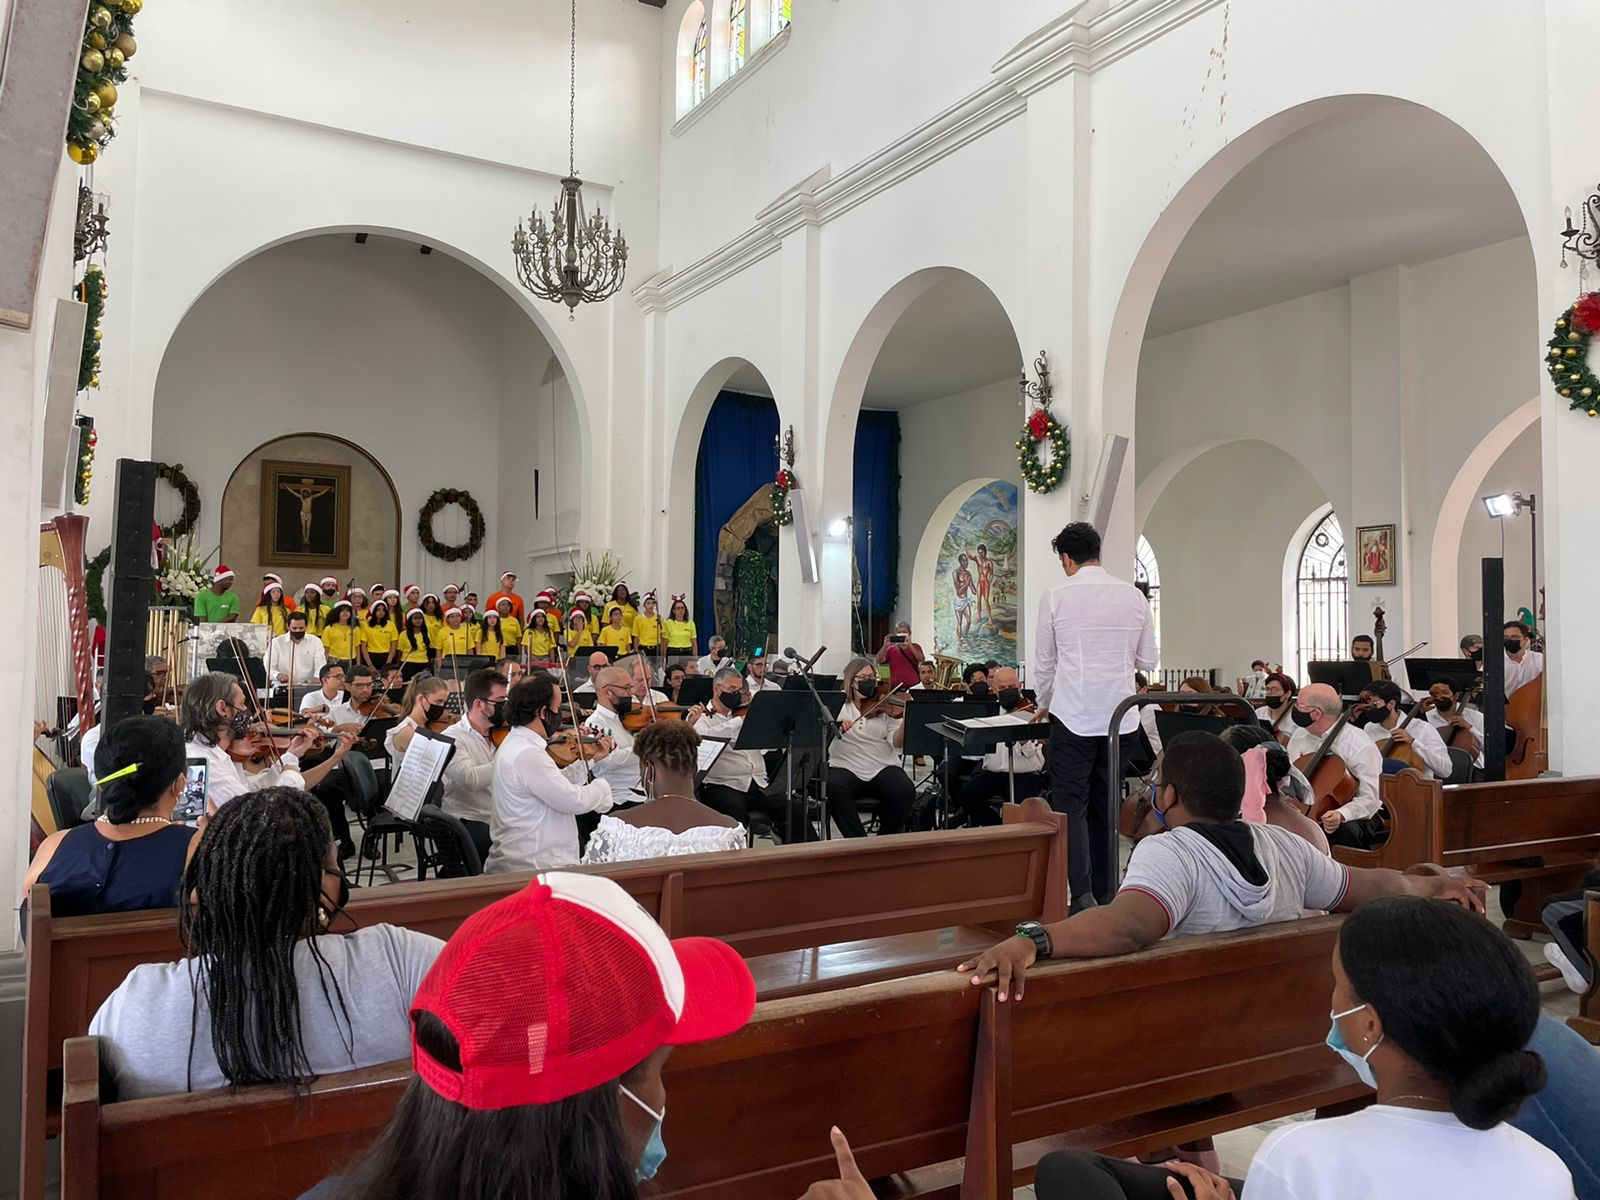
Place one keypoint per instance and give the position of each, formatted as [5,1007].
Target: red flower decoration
[1586,314]
[1039,424]
[783,479]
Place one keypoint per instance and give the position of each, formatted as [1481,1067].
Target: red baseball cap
[567,985]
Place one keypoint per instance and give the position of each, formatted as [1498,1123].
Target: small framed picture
[1375,554]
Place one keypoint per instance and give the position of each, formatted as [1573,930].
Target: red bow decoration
[1586,313]
[783,479]
[1039,424]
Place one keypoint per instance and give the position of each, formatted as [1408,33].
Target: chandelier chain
[572,97]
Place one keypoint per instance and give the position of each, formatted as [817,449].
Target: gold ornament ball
[114,59]
[1585,392]
[127,45]
[100,18]
[1574,377]
[1553,353]
[1571,353]
[91,105]
[108,95]
[1567,392]
[93,61]
[97,39]
[1572,337]
[1562,323]
[81,154]
[131,7]
[98,334]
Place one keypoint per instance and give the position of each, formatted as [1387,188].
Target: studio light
[840,527]
[1506,504]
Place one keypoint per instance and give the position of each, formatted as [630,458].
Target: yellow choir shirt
[680,634]
[378,639]
[648,630]
[539,643]
[278,618]
[494,644]
[341,641]
[512,628]
[461,640]
[581,639]
[420,653]
[621,638]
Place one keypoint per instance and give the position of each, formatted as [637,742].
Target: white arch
[1445,565]
[926,563]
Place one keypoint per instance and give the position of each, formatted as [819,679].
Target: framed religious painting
[1375,554]
[305,514]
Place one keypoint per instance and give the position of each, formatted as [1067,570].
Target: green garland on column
[92,291]
[102,64]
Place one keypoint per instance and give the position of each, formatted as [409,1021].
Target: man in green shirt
[217,604]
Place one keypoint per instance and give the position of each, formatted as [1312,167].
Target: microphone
[810,662]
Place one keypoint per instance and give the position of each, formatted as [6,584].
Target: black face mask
[1277,701]
[867,688]
[435,711]
[297,634]
[1369,716]
[552,721]
[730,700]
[497,714]
[1010,697]
[622,707]
[1444,705]
[1302,718]
[980,688]
[1513,645]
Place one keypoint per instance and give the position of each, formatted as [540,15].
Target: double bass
[1405,753]
[1332,785]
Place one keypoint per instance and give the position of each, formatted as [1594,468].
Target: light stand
[1514,505]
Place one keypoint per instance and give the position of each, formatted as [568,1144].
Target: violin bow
[249,689]
[572,713]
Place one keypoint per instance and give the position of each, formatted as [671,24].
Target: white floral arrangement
[599,577]
[184,573]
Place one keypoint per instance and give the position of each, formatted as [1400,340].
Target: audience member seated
[1565,915]
[1564,1114]
[1432,1007]
[672,821]
[579,1114]
[267,992]
[131,856]
[1270,805]
[1208,872]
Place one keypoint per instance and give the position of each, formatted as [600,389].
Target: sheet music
[421,768]
[710,750]
[999,719]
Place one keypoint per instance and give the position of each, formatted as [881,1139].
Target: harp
[64,681]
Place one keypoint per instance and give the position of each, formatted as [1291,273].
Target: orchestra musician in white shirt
[1524,664]
[1095,631]
[295,658]
[1382,716]
[1001,774]
[1316,711]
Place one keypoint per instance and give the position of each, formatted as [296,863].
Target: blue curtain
[739,435]
[877,499]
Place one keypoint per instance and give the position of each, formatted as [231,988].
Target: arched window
[1147,578]
[702,62]
[738,34]
[1322,596]
[780,15]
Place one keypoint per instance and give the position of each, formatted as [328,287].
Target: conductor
[1094,631]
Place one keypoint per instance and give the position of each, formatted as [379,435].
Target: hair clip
[130,769]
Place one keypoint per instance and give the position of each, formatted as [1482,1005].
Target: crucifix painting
[305,514]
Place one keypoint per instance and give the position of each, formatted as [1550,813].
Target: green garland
[782,510]
[1568,354]
[102,64]
[92,291]
[1042,477]
[477,528]
[94,584]
[87,440]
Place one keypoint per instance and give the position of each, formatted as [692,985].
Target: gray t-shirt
[147,1020]
[1204,891]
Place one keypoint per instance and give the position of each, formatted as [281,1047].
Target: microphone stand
[825,724]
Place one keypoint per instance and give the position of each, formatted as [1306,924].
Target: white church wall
[1222,561]
[1518,469]
[945,443]
[394,350]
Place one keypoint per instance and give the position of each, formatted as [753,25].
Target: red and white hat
[567,985]
[223,571]
[411,587]
[328,581]
[580,596]
[269,577]
[391,592]
[452,611]
[508,575]
[356,591]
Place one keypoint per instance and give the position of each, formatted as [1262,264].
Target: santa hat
[430,596]
[356,591]
[328,581]
[334,611]
[506,600]
[391,592]
[273,579]
[543,601]
[222,572]
[452,611]
[582,597]
[376,589]
[468,610]
[648,598]
[504,575]
[411,587]
[311,587]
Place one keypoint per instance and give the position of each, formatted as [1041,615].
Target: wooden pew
[937,1085]
[1587,1022]
[1544,832]
[808,918]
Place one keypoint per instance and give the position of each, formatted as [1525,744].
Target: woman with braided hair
[672,821]
[266,992]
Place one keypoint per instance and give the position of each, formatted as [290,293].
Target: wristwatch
[1038,935]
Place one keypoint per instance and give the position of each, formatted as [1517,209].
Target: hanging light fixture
[576,258]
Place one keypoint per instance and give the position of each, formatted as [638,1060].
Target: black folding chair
[444,846]
[67,790]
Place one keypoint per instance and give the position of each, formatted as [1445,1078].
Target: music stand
[696,689]
[459,666]
[789,721]
[1170,725]
[1459,673]
[795,681]
[923,741]
[932,695]
[1349,677]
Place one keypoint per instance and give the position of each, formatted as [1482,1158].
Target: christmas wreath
[476,528]
[1569,354]
[1042,477]
[184,525]
[782,510]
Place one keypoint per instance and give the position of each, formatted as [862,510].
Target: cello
[1528,715]
[1332,785]
[1405,753]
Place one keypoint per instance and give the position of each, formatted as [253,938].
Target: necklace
[102,818]
[1424,1099]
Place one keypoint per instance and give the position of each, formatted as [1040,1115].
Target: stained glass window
[1322,596]
[1147,578]
[738,33]
[780,15]
[702,63]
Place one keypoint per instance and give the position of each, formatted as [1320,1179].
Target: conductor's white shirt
[1095,631]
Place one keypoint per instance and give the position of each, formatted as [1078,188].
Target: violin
[639,718]
[892,704]
[377,706]
[568,747]
[1332,785]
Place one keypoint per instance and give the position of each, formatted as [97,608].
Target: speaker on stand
[128,598]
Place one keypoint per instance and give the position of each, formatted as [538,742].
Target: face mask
[297,634]
[868,688]
[623,706]
[497,714]
[1302,718]
[980,688]
[1010,697]
[1369,716]
[1513,645]
[655,1150]
[1155,794]
[1444,705]
[730,700]
[435,711]
[239,723]
[1277,701]
[1358,1062]
[552,721]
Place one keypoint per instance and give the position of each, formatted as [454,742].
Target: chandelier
[576,258]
